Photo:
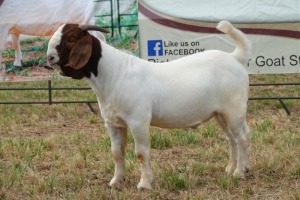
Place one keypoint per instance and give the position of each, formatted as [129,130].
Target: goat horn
[86,27]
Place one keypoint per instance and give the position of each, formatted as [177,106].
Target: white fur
[133,93]
[40,18]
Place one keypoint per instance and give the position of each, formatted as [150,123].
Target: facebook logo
[155,48]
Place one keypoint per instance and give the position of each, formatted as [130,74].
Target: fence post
[124,14]
[49,92]
[112,26]
[284,106]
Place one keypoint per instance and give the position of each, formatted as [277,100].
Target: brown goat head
[77,51]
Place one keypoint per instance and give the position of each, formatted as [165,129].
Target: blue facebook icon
[155,48]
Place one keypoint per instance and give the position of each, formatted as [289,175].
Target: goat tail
[243,49]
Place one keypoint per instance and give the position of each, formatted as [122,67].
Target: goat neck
[113,68]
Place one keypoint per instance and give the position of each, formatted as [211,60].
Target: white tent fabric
[236,11]
[179,28]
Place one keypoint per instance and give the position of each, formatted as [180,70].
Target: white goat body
[134,93]
[40,18]
[177,94]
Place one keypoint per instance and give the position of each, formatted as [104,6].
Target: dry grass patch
[63,151]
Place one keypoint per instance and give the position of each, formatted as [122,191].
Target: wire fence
[115,18]
[49,89]
[279,98]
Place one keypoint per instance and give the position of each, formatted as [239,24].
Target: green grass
[211,131]
[8,53]
[227,183]
[32,40]
[63,150]
[160,141]
[173,181]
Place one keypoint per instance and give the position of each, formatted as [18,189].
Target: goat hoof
[116,182]
[238,174]
[115,188]
[230,169]
[247,170]
[143,187]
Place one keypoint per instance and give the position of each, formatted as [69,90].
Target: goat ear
[80,53]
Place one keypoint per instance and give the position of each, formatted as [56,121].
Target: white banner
[171,29]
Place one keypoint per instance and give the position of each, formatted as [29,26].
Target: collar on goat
[79,52]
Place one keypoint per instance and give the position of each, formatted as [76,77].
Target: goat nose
[50,58]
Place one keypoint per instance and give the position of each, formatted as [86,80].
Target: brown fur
[79,52]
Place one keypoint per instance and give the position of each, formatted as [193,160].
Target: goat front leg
[17,47]
[141,137]
[118,137]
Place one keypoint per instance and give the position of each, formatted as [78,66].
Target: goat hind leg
[243,142]
[246,145]
[232,145]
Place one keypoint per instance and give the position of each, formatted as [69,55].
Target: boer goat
[136,94]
